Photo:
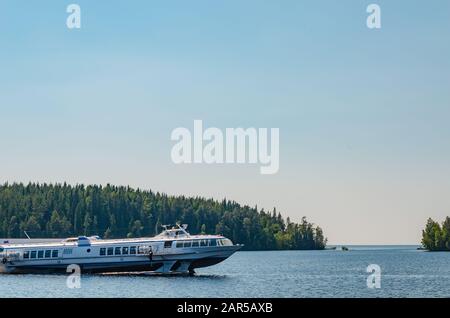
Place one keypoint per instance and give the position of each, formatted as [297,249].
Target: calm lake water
[406,272]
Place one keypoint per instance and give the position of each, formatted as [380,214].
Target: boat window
[227,242]
[48,253]
[103,251]
[1,249]
[133,250]
[195,243]
[26,254]
[55,253]
[204,243]
[125,250]
[187,244]
[213,242]
[33,254]
[110,250]
[67,251]
[117,250]
[168,244]
[140,250]
[179,243]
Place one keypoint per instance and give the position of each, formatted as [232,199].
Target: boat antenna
[183,228]
[27,235]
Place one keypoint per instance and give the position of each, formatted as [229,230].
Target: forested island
[436,237]
[62,210]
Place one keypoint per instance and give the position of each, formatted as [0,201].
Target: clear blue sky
[363,114]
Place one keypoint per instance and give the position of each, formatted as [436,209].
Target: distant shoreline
[43,239]
[329,247]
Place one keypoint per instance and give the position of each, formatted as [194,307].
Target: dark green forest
[436,237]
[62,210]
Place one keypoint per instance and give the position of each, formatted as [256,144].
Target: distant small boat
[344,248]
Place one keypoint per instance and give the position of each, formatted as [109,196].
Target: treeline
[62,210]
[436,237]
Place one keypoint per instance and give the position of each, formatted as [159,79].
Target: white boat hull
[183,261]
